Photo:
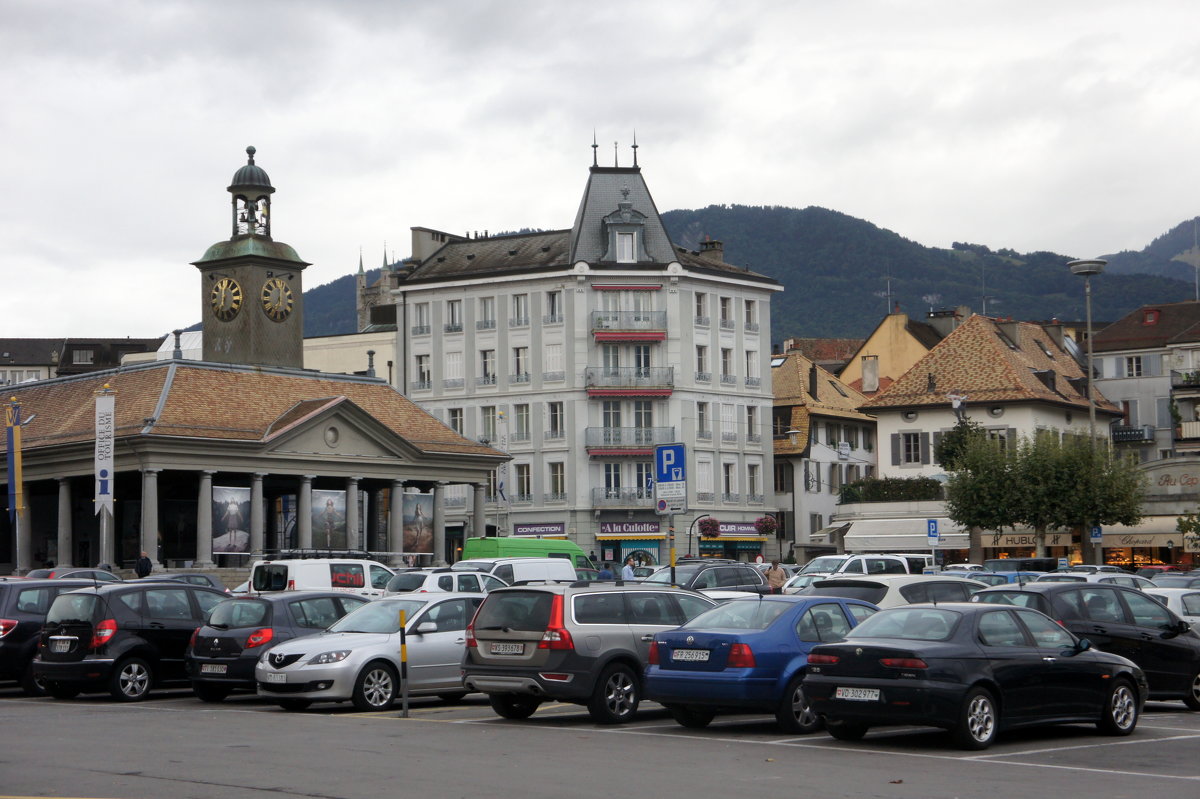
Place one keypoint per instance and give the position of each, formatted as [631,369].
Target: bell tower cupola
[252,296]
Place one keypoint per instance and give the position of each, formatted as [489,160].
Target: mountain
[836,271]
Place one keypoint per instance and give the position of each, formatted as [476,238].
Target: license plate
[699,655]
[219,668]
[858,694]
[276,678]
[507,649]
[61,644]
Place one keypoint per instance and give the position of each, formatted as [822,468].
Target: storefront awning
[827,535]
[1151,531]
[901,535]
[619,537]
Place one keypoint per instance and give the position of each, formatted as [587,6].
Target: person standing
[144,565]
[776,577]
[627,569]
[606,572]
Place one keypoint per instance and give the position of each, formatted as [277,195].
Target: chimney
[812,382]
[870,374]
[1055,331]
[1011,331]
[945,321]
[713,251]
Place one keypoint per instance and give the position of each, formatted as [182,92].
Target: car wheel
[60,690]
[454,696]
[294,705]
[1192,700]
[692,717]
[131,680]
[31,685]
[375,688]
[208,692]
[1120,714]
[616,697]
[513,706]
[977,720]
[794,713]
[847,730]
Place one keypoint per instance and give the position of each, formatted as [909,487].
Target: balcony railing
[485,380]
[703,377]
[452,327]
[635,437]
[453,382]
[706,496]
[485,324]
[753,382]
[622,498]
[701,321]
[555,496]
[729,437]
[455,502]
[421,385]
[520,437]
[552,319]
[554,435]
[704,435]
[729,380]
[522,499]
[630,377]
[752,327]
[521,378]
[553,377]
[420,330]
[1189,430]
[629,320]
[753,438]
[1124,434]
[1185,379]
[518,321]
[729,496]
[727,324]
[754,499]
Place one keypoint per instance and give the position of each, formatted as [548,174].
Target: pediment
[335,427]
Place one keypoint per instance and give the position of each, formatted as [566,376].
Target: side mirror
[1083,645]
[1182,627]
[426,627]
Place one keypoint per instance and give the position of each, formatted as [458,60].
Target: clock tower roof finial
[251,176]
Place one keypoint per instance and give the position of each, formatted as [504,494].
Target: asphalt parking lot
[174,745]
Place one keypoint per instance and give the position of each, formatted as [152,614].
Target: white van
[516,570]
[363,577]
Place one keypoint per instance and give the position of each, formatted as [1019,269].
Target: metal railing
[630,376]
[556,496]
[420,330]
[452,327]
[752,327]
[628,436]
[521,378]
[703,377]
[629,320]
[518,321]
[1124,434]
[701,321]
[554,376]
[731,497]
[622,497]
[485,324]
[554,435]
[729,380]
[485,380]
[753,382]
[421,385]
[727,324]
[453,382]
[552,319]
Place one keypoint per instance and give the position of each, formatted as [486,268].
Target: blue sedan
[747,656]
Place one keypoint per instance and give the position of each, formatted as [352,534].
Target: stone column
[354,539]
[439,522]
[149,514]
[204,529]
[396,521]
[257,526]
[66,541]
[478,514]
[304,512]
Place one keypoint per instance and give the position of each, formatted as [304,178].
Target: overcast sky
[1064,126]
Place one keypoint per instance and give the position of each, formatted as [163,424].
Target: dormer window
[625,230]
[625,248]
[1150,316]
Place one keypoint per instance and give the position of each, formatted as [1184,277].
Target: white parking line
[1094,745]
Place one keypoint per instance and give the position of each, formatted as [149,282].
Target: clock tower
[251,291]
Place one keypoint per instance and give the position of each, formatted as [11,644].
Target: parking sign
[670,478]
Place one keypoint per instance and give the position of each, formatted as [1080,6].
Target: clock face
[277,299]
[225,298]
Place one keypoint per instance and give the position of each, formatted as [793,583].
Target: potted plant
[709,527]
[766,525]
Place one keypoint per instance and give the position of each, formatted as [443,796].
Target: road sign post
[670,488]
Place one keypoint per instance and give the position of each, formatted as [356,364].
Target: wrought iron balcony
[421,385]
[555,496]
[518,321]
[420,330]
[752,327]
[1124,434]
[660,377]
[704,435]
[729,496]
[727,324]
[452,327]
[485,324]
[753,382]
[627,437]
[453,382]
[1185,379]
[729,380]
[701,321]
[706,496]
[622,498]
[485,380]
[703,377]
[520,378]
[630,320]
[554,435]
[552,319]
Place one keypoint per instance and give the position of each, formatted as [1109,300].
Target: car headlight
[330,657]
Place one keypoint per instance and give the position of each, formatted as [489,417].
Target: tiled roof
[1174,322]
[192,399]
[30,351]
[495,256]
[925,333]
[790,383]
[991,361]
[825,350]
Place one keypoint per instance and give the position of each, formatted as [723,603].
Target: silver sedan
[358,657]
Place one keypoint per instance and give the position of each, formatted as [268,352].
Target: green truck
[511,547]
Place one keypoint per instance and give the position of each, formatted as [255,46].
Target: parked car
[23,607]
[194,578]
[837,565]
[519,570]
[973,669]
[584,643]
[358,658]
[699,575]
[445,580]
[124,638]
[1109,578]
[354,575]
[979,575]
[1177,581]
[890,590]
[747,656]
[1021,564]
[1120,620]
[1184,602]
[223,652]
[68,573]
[799,581]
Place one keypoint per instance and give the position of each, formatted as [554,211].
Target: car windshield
[235,613]
[380,616]
[69,608]
[406,581]
[740,614]
[825,564]
[913,624]
[682,574]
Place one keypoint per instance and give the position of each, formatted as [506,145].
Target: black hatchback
[23,607]
[1123,621]
[123,638]
[222,653]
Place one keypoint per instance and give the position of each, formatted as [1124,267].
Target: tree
[954,443]
[981,492]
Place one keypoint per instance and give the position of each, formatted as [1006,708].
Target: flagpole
[16,483]
[105,469]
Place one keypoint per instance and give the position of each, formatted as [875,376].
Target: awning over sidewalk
[903,535]
[1151,531]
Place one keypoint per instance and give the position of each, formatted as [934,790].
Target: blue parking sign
[670,463]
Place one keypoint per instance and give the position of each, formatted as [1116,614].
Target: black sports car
[973,669]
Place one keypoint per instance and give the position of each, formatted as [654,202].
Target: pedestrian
[776,577]
[606,572]
[627,569]
[144,565]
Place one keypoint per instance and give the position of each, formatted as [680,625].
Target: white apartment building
[577,352]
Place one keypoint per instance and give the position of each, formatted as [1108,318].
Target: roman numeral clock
[253,296]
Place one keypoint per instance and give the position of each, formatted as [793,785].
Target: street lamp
[691,527]
[1085,269]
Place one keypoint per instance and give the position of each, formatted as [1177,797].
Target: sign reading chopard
[630,528]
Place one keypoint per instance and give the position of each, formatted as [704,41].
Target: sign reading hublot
[630,528]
